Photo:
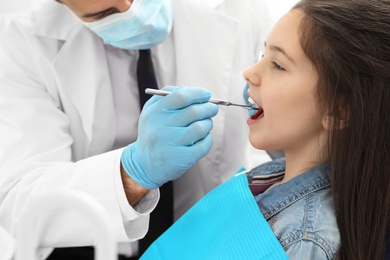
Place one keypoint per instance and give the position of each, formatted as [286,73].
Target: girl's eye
[277,66]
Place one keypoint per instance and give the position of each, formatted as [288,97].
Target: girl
[323,93]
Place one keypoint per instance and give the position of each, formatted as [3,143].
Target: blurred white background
[11,6]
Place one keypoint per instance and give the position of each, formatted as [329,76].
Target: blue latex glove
[173,134]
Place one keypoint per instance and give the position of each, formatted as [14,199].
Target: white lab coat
[56,108]
[7,245]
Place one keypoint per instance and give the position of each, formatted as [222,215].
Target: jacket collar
[279,197]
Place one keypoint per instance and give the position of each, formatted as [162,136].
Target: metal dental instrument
[212,100]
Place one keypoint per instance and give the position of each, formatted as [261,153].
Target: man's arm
[134,192]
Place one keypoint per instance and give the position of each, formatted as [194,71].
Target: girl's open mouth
[256,114]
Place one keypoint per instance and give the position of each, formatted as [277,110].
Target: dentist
[70,109]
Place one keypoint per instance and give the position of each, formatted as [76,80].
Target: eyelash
[277,66]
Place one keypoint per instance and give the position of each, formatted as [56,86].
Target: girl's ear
[337,119]
[326,122]
[331,123]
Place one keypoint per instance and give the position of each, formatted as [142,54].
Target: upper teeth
[250,100]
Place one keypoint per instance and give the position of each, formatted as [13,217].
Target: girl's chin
[256,143]
[261,143]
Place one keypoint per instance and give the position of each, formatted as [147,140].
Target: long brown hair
[349,43]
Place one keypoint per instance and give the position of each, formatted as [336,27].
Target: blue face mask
[146,24]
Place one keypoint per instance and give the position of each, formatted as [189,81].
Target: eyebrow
[281,50]
[110,10]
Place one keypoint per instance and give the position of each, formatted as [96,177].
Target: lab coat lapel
[88,85]
[83,78]
[203,26]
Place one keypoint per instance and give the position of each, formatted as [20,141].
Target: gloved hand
[173,134]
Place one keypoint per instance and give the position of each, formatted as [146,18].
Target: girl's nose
[252,74]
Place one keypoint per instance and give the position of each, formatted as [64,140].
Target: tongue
[257,114]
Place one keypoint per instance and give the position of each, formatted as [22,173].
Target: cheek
[288,116]
[279,106]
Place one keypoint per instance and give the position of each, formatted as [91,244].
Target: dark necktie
[145,75]
[162,216]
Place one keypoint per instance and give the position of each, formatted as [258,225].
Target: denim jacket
[300,211]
